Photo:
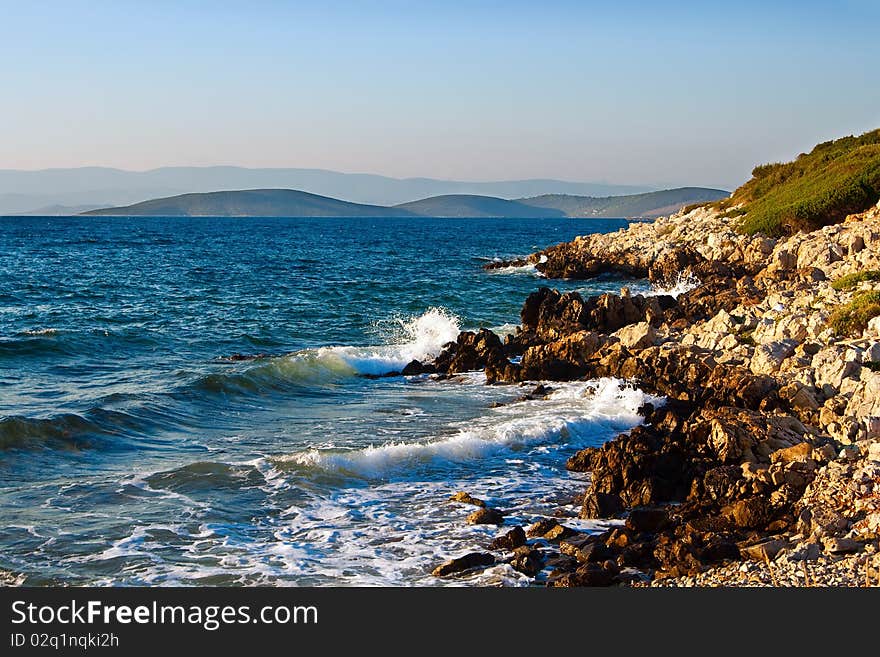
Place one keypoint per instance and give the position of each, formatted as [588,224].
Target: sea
[198,401]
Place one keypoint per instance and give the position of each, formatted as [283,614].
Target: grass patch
[851,280]
[818,188]
[853,318]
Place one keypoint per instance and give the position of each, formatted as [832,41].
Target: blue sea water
[137,448]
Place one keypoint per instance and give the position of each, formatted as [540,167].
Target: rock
[527,560]
[601,505]
[768,358]
[466,498]
[513,539]
[471,351]
[636,336]
[570,546]
[486,517]
[805,552]
[765,550]
[593,553]
[580,462]
[559,532]
[416,367]
[750,513]
[592,574]
[794,454]
[838,545]
[469,561]
[550,529]
[651,520]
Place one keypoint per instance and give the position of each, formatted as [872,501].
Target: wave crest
[573,412]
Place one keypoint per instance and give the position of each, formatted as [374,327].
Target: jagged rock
[840,545]
[641,519]
[415,367]
[466,498]
[527,560]
[471,351]
[636,336]
[601,505]
[751,513]
[559,532]
[513,539]
[765,550]
[486,517]
[469,561]
[550,529]
[580,462]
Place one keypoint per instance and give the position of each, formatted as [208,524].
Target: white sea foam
[685,282]
[529,268]
[42,331]
[570,412]
[417,338]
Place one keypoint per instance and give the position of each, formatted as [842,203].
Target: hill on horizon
[23,192]
[471,205]
[296,203]
[651,204]
[251,203]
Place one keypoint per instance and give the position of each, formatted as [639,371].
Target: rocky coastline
[763,465]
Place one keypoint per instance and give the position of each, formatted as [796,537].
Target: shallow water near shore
[141,444]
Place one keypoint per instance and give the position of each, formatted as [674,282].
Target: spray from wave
[415,338]
[573,413]
[685,282]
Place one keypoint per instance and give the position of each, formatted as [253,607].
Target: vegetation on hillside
[650,204]
[851,319]
[851,280]
[818,188]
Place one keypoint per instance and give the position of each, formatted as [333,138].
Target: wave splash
[685,282]
[573,413]
[415,338]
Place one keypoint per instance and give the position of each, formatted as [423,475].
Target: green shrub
[818,188]
[851,280]
[853,318]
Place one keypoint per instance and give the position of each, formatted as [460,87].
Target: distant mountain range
[69,191]
[295,203]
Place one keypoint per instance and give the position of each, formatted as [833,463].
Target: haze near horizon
[635,94]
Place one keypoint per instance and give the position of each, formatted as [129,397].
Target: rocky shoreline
[763,466]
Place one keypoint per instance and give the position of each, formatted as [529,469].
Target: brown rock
[513,539]
[644,519]
[796,453]
[601,505]
[559,532]
[580,462]
[840,545]
[486,517]
[527,560]
[751,513]
[469,561]
[466,498]
[765,550]
[541,527]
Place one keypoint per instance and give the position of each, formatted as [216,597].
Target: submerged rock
[466,498]
[513,539]
[486,516]
[470,561]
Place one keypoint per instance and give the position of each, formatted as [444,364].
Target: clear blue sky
[625,92]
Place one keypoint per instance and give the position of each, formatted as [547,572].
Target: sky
[647,93]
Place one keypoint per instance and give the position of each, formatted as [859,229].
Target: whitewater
[175,410]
